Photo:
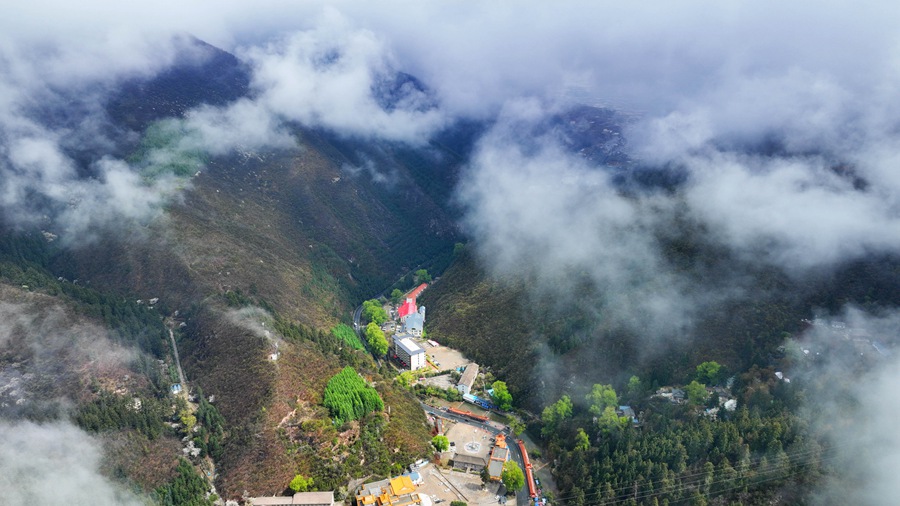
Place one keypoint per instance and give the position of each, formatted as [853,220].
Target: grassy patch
[166,149]
[346,334]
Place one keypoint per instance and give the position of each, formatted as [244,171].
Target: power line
[799,455]
[684,487]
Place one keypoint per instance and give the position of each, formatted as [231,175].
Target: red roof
[407,308]
[415,293]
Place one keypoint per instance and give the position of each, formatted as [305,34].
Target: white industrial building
[409,353]
[467,380]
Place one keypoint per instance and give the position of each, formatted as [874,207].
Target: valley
[403,255]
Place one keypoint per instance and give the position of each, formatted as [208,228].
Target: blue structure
[478,401]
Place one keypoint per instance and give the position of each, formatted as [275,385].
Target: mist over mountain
[661,183]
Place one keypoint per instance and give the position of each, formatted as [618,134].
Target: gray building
[415,323]
[469,463]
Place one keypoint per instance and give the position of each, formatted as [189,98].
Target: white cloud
[537,212]
[794,212]
[39,464]
[326,76]
[852,394]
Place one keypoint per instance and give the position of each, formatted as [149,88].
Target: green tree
[635,388]
[696,393]
[422,276]
[188,419]
[512,476]
[709,373]
[582,441]
[440,443]
[555,413]
[609,421]
[374,312]
[301,483]
[187,488]
[563,408]
[601,397]
[406,378]
[347,335]
[458,503]
[396,295]
[375,337]
[517,426]
[501,395]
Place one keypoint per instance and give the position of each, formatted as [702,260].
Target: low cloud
[384,176]
[867,449]
[847,366]
[58,165]
[48,357]
[41,463]
[781,117]
[342,78]
[540,213]
[796,212]
[252,319]
[62,160]
[243,125]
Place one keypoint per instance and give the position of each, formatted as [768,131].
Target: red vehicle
[529,474]
[468,414]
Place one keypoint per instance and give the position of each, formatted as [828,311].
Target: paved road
[177,361]
[522,497]
[357,314]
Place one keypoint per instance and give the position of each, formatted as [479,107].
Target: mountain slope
[307,233]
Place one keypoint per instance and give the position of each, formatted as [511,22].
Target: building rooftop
[417,291]
[307,498]
[469,375]
[269,501]
[499,453]
[402,485]
[414,476]
[409,346]
[407,308]
[400,491]
[314,497]
[414,321]
[469,459]
[495,468]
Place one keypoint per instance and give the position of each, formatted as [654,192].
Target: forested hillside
[259,254]
[544,344]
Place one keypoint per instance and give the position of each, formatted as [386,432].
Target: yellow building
[398,491]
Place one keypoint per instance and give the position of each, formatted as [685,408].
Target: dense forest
[187,488]
[680,453]
[348,397]
[28,259]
